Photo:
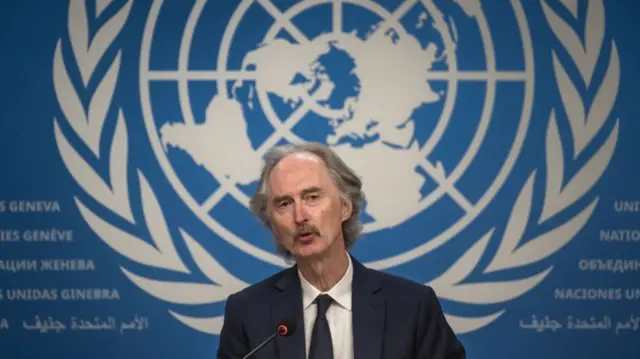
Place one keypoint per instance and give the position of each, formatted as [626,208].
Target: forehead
[296,172]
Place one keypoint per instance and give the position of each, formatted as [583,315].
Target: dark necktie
[321,346]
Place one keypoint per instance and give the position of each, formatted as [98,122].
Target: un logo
[382,93]
[424,101]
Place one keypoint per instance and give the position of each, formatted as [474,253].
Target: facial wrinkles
[290,178]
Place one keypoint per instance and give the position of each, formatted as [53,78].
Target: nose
[300,213]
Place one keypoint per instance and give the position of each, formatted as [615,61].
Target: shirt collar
[341,292]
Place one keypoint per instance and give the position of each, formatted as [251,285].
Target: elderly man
[335,307]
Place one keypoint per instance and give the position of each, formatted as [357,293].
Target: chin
[314,248]
[308,252]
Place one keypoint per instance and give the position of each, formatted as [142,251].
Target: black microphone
[284,329]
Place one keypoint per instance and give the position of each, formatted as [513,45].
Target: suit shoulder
[261,288]
[403,286]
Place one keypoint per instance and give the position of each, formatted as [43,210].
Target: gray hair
[348,183]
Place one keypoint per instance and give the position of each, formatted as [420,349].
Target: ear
[347,209]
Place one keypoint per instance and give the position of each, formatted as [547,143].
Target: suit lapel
[368,314]
[286,304]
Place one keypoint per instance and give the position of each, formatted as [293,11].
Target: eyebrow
[304,192]
[311,190]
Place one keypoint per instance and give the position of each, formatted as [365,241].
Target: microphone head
[286,328]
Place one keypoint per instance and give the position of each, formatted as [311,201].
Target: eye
[313,197]
[283,203]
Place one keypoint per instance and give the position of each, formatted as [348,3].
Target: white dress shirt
[338,314]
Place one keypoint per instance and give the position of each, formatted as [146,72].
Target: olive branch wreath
[88,123]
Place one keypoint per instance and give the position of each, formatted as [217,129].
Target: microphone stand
[261,345]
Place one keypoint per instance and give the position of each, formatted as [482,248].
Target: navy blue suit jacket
[393,318]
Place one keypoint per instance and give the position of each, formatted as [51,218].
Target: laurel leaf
[84,174]
[158,228]
[550,242]
[572,6]
[88,55]
[490,292]
[101,5]
[79,37]
[555,170]
[594,37]
[515,227]
[574,107]
[108,33]
[180,292]
[68,99]
[568,38]
[118,165]
[100,103]
[121,241]
[590,173]
[211,325]
[606,95]
[461,325]
[464,265]
[210,267]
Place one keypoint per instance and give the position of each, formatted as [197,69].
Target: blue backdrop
[496,141]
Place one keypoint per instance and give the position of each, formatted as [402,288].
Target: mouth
[306,236]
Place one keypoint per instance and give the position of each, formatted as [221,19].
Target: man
[311,201]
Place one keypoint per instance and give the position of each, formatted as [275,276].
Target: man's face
[305,207]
